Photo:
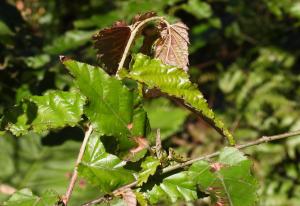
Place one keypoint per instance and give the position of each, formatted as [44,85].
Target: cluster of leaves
[243,56]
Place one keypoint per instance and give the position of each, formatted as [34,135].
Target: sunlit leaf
[102,169]
[229,180]
[55,109]
[149,166]
[174,82]
[25,197]
[173,188]
[111,106]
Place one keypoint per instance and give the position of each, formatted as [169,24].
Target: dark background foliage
[244,56]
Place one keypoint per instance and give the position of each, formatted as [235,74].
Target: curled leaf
[110,44]
[172,46]
[142,17]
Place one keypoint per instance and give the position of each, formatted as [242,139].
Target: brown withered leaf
[110,44]
[142,17]
[142,143]
[128,196]
[172,46]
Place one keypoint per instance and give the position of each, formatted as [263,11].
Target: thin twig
[68,194]
[131,39]
[263,139]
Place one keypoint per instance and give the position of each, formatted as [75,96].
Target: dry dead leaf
[110,44]
[172,46]
[142,143]
[128,196]
[217,166]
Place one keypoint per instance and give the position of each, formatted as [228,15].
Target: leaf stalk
[131,39]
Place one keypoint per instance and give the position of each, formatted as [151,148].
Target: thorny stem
[68,194]
[131,39]
[263,139]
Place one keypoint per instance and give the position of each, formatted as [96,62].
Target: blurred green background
[244,56]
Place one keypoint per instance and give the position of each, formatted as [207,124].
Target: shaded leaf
[149,167]
[5,30]
[151,34]
[199,9]
[103,169]
[231,183]
[174,82]
[55,109]
[40,167]
[25,197]
[161,112]
[110,44]
[111,104]
[69,41]
[37,61]
[172,46]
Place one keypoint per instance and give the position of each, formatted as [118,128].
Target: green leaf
[228,181]
[161,112]
[173,188]
[111,104]
[141,199]
[5,30]
[175,82]
[40,167]
[149,167]
[37,61]
[199,9]
[6,152]
[231,183]
[55,109]
[103,169]
[25,197]
[70,40]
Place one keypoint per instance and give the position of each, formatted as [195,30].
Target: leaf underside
[172,46]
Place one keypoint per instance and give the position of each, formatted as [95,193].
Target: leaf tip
[63,58]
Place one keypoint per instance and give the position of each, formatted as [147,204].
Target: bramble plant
[120,154]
